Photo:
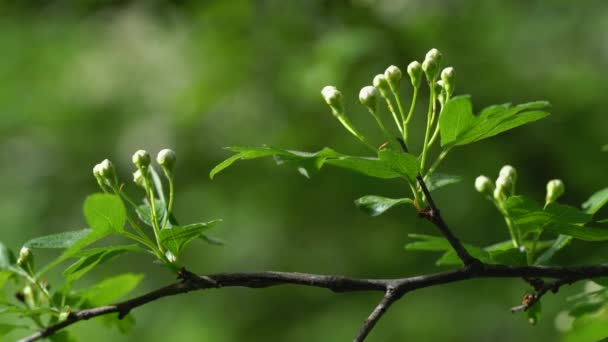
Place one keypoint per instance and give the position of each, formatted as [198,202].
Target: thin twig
[433,215]
[389,298]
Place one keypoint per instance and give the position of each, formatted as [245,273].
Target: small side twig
[541,289]
[390,296]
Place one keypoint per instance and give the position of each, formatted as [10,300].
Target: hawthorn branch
[394,289]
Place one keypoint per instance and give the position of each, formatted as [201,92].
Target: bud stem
[382,127]
[401,111]
[429,124]
[170,205]
[391,109]
[409,115]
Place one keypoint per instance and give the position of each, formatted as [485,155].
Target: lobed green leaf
[458,125]
[176,238]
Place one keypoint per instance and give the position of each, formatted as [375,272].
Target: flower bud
[431,64]
[440,92]
[484,185]
[333,97]
[555,188]
[26,258]
[170,257]
[414,69]
[504,186]
[166,159]
[141,159]
[106,169]
[393,76]
[447,76]
[368,97]
[508,171]
[381,84]
[138,178]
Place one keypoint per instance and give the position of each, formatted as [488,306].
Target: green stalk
[151,200]
[391,109]
[401,111]
[429,123]
[382,127]
[170,204]
[438,161]
[409,116]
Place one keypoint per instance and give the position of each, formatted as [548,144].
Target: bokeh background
[81,81]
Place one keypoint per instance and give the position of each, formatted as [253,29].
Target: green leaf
[458,125]
[61,240]
[596,201]
[528,216]
[308,163]
[243,153]
[62,336]
[105,213]
[95,258]
[212,240]
[176,238]
[144,212]
[110,290]
[7,258]
[6,328]
[427,243]
[404,164]
[561,242]
[372,167]
[376,205]
[586,233]
[439,180]
[451,258]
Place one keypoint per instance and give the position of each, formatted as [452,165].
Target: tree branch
[394,289]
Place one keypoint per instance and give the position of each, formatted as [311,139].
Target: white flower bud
[447,76]
[431,64]
[97,171]
[414,69]
[106,169]
[332,96]
[368,97]
[138,178]
[508,171]
[25,257]
[504,185]
[166,159]
[555,188]
[141,159]
[484,185]
[393,76]
[381,84]
[170,256]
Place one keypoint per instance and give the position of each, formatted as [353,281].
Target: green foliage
[377,205]
[458,125]
[176,238]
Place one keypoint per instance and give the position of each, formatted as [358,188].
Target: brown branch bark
[400,286]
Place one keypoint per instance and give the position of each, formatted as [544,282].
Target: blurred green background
[86,80]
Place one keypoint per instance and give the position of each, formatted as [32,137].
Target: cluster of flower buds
[555,188]
[502,188]
[105,173]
